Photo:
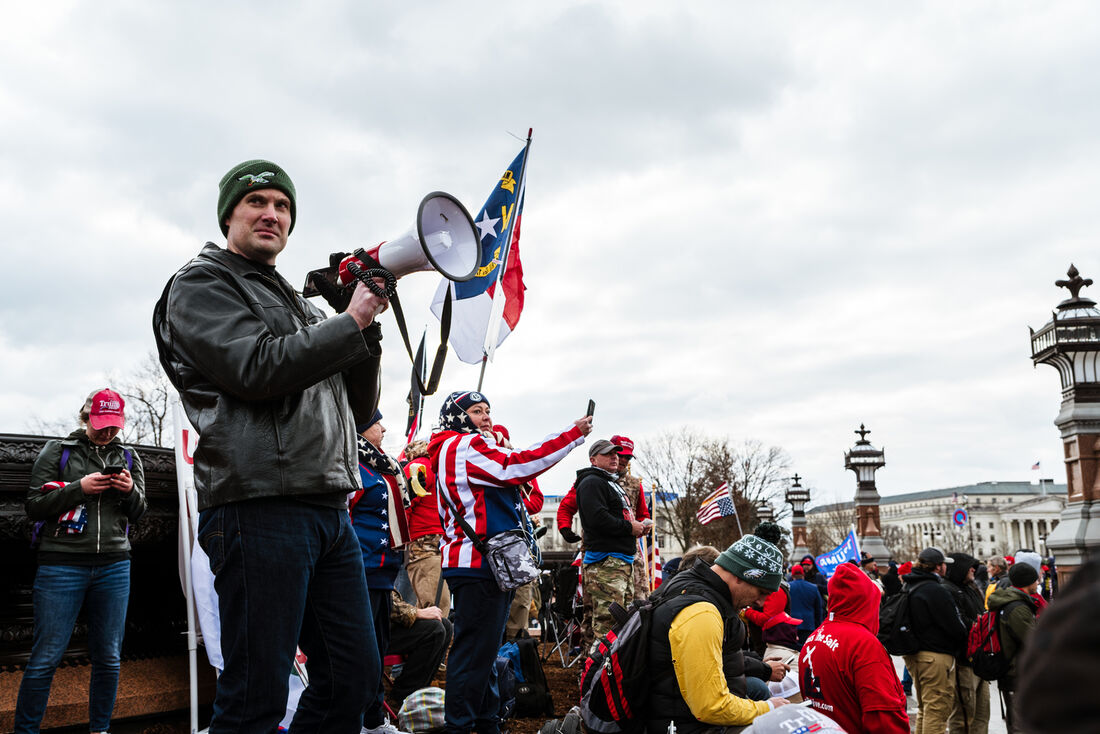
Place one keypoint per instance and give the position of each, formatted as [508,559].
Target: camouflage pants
[641,580]
[424,564]
[610,580]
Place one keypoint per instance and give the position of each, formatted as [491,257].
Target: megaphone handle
[367,276]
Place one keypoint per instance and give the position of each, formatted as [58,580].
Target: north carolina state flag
[472,300]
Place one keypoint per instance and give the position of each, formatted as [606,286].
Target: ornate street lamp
[797,496]
[1070,342]
[764,512]
[864,460]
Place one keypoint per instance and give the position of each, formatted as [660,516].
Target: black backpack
[532,691]
[506,686]
[895,629]
[616,679]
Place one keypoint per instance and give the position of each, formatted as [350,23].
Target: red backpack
[983,645]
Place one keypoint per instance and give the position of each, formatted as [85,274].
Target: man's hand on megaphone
[335,294]
[364,305]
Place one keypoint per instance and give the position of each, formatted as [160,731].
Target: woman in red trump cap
[86,489]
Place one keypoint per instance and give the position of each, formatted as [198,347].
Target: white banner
[202,580]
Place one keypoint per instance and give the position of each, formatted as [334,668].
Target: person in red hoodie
[844,670]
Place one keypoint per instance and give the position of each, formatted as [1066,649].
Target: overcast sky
[767,221]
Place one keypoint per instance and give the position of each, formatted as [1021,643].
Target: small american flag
[1035,466]
[718,504]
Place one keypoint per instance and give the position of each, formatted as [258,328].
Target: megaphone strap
[441,350]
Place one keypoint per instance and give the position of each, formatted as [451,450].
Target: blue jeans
[481,612]
[756,689]
[289,574]
[59,593]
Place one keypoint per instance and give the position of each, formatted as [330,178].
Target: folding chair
[564,613]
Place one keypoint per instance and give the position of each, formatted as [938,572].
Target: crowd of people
[839,661]
[308,524]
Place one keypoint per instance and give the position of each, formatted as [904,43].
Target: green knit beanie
[754,560]
[251,175]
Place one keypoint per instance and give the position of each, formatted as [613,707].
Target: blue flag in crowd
[848,550]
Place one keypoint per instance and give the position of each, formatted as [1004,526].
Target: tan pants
[934,683]
[424,564]
[520,613]
[971,712]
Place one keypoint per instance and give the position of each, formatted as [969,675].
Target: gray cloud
[770,222]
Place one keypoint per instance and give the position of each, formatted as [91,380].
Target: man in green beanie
[697,636]
[274,390]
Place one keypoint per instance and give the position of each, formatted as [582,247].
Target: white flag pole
[736,515]
[188,521]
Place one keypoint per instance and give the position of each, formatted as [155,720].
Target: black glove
[337,296]
[372,335]
[569,535]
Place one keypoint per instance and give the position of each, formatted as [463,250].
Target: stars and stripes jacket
[370,520]
[482,480]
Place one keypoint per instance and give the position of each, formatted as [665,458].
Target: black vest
[698,584]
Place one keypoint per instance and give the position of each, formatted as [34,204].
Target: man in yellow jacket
[696,639]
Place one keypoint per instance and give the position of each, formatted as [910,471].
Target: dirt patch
[562,681]
[563,684]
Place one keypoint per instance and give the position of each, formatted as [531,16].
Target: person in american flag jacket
[381,543]
[481,480]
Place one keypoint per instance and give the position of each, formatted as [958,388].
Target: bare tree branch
[148,395]
[826,527]
[686,466]
[58,427]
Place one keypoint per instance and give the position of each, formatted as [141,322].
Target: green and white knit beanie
[755,560]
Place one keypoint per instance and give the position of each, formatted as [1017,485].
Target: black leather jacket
[273,389]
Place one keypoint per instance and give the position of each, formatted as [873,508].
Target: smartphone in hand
[113,469]
[591,408]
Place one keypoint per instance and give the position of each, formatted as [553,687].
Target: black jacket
[603,510]
[891,582]
[936,620]
[967,597]
[273,389]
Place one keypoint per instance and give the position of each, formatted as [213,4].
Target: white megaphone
[443,239]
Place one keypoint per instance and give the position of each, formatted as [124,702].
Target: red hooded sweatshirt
[844,670]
